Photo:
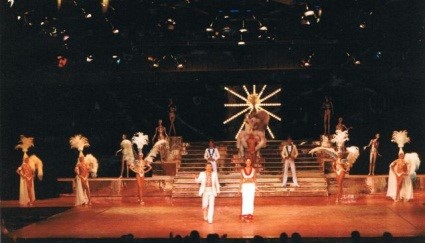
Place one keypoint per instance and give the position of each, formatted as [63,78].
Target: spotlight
[241,42]
[357,62]
[116,59]
[89,58]
[88,15]
[307,62]
[180,66]
[65,37]
[115,31]
[243,29]
[263,28]
[362,26]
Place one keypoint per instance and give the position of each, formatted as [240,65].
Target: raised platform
[316,219]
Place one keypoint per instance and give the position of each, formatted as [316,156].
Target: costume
[248,193]
[412,162]
[27,171]
[82,171]
[26,181]
[209,189]
[289,154]
[211,155]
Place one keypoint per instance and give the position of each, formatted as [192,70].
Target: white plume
[400,138]
[93,164]
[140,140]
[79,142]
[155,150]
[340,137]
[36,165]
[25,143]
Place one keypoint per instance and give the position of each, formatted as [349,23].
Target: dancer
[172,116]
[247,187]
[328,111]
[82,188]
[373,144]
[251,145]
[340,126]
[26,188]
[289,154]
[26,172]
[127,154]
[403,170]
[139,168]
[211,155]
[161,134]
[340,165]
[85,166]
[208,190]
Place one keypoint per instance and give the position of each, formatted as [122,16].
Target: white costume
[211,155]
[248,192]
[406,191]
[24,198]
[209,189]
[289,154]
[80,196]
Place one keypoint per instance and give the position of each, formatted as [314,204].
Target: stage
[312,217]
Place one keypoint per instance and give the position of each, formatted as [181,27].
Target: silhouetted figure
[296,238]
[355,236]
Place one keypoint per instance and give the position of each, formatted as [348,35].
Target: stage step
[269,178]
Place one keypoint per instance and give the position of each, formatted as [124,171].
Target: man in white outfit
[209,189]
[289,154]
[211,155]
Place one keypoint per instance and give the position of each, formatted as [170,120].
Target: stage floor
[371,215]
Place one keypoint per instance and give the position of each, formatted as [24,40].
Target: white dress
[248,192]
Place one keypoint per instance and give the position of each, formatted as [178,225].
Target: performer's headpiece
[79,142]
[24,144]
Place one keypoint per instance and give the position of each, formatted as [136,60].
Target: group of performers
[249,143]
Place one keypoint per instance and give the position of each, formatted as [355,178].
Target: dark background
[104,99]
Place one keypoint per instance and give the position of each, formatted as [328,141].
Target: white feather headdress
[340,137]
[79,142]
[400,138]
[24,144]
[140,140]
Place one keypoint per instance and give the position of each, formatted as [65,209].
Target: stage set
[212,121]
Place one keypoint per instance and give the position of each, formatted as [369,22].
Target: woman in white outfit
[247,186]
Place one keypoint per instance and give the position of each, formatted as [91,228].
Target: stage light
[243,29]
[115,31]
[357,62]
[210,28]
[241,42]
[307,62]
[263,28]
[62,61]
[89,58]
[11,2]
[88,15]
[180,66]
[362,26]
[18,17]
[65,37]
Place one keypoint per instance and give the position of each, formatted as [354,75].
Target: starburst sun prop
[252,102]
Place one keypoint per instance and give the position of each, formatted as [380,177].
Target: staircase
[269,179]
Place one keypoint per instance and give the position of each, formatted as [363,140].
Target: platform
[316,218]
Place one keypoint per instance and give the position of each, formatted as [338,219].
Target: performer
[340,169]
[340,126]
[172,116]
[373,144]
[26,188]
[247,186]
[208,190]
[83,168]
[340,165]
[140,167]
[161,134]
[251,145]
[328,111]
[211,155]
[82,188]
[127,154]
[402,172]
[289,154]
[26,171]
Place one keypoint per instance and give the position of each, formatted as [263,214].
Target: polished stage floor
[371,215]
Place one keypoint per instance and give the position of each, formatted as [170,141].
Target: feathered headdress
[400,138]
[25,143]
[155,150]
[140,140]
[79,142]
[340,137]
